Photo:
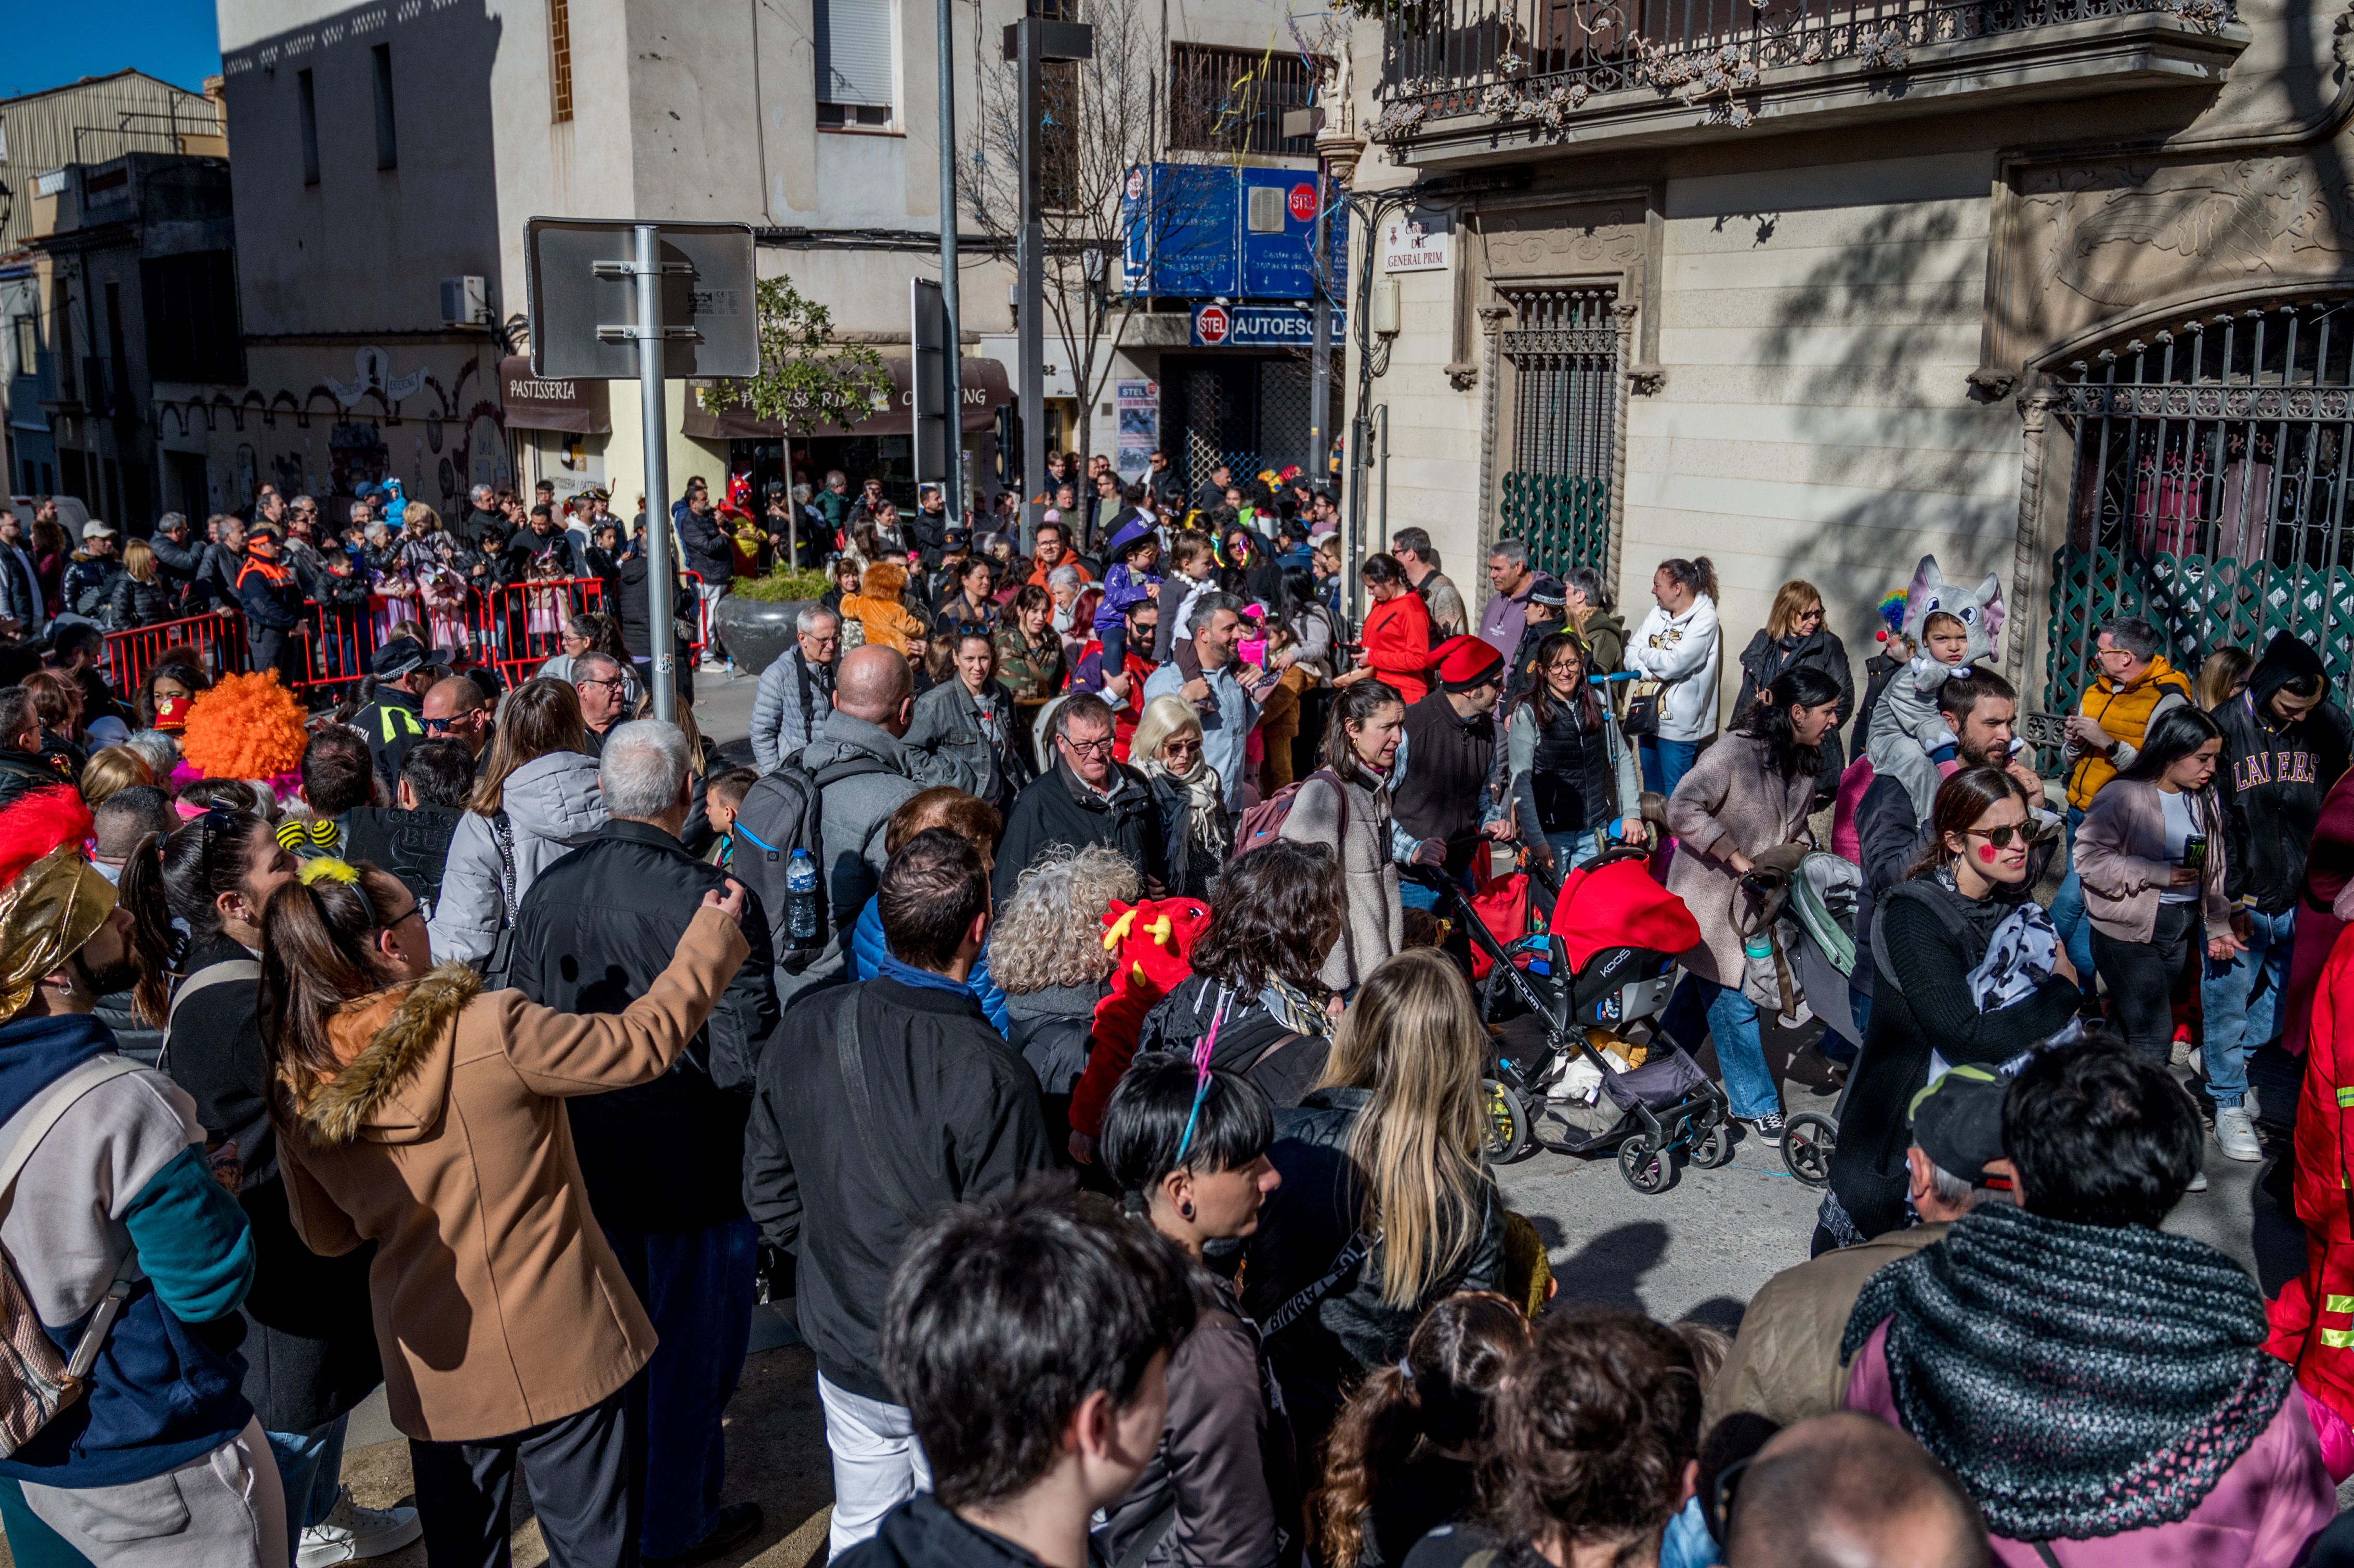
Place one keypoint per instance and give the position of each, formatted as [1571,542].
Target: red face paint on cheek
[1985,853]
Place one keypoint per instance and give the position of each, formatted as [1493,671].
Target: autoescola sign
[1257,327]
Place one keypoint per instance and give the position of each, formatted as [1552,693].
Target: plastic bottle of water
[800,898]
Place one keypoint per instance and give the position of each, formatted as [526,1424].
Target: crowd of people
[1067,1011]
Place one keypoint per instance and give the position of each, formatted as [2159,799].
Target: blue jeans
[311,1468]
[697,1288]
[1573,849]
[2075,926]
[2241,1003]
[1665,762]
[1732,1021]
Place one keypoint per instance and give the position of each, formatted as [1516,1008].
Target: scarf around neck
[1206,804]
[2079,1380]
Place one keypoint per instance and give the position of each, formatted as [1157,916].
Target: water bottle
[800,899]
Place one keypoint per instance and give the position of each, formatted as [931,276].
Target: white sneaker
[2178,1053]
[353,1532]
[2235,1134]
[2198,1182]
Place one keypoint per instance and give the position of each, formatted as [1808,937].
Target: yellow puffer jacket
[2123,713]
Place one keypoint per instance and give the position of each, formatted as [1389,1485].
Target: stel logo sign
[1303,204]
[1259,326]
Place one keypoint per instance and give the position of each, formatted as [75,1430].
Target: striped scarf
[2079,1380]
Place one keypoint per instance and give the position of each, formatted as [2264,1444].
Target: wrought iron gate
[1567,389]
[2210,493]
[1249,412]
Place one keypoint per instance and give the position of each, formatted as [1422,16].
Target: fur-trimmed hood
[393,1090]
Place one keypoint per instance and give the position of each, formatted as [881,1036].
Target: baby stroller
[1600,974]
[1805,901]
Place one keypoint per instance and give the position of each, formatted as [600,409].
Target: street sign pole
[659,587]
[952,357]
[1320,382]
[1030,264]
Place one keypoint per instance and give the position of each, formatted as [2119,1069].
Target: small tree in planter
[806,379]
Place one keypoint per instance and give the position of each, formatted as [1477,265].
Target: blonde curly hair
[1051,931]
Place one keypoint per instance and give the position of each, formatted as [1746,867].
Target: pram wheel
[1509,1133]
[1809,1141]
[1646,1169]
[1713,1148]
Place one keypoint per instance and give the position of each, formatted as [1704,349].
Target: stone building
[2056,289]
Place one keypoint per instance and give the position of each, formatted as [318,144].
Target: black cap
[1957,1122]
[405,655]
[1548,592]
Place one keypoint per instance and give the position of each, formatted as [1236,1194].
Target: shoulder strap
[226,972]
[2049,1558]
[1150,1536]
[77,1081]
[502,836]
[1937,907]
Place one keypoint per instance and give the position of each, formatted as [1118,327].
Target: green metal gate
[2210,494]
[1565,412]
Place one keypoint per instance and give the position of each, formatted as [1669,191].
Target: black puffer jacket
[2275,775]
[1765,658]
[134,603]
[1056,809]
[1315,1284]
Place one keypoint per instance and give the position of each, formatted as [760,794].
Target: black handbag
[1643,705]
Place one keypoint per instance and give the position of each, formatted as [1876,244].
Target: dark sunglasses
[2000,837]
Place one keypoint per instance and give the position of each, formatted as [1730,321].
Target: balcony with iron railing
[1466,81]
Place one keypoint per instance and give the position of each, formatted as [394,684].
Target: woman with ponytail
[418,1112]
[1187,1148]
[310,1353]
[1404,1459]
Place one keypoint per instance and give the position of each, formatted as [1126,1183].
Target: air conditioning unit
[1266,211]
[465,301]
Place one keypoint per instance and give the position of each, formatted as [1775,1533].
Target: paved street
[1699,1250]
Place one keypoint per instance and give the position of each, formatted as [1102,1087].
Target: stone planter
[757,631]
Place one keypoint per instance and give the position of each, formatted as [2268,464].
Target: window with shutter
[854,58]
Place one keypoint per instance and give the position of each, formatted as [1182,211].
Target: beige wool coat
[1730,800]
[444,1141]
[1375,923]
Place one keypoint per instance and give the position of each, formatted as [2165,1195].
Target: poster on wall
[1136,407]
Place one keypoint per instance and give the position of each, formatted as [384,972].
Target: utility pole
[1031,43]
[1320,381]
[651,342]
[952,356]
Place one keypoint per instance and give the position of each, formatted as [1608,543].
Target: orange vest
[2123,715]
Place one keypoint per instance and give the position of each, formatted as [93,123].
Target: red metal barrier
[217,636]
[516,627]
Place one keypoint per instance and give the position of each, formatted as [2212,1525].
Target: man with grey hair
[178,563]
[1846,1489]
[1784,1364]
[1506,614]
[662,1162]
[482,513]
[602,685]
[1225,707]
[796,691]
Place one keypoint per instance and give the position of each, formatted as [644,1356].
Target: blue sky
[50,45]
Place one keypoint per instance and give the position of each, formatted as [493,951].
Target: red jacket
[1397,644]
[2312,1325]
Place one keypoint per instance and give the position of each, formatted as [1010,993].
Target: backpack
[1262,823]
[781,813]
[35,1383]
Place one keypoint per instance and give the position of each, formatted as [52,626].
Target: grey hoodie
[864,773]
[554,805]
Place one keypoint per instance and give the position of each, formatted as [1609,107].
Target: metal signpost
[952,491]
[938,412]
[618,299]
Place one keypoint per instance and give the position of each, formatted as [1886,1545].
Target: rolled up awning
[986,389]
[551,403]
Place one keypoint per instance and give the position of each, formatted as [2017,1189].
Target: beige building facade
[2055,295]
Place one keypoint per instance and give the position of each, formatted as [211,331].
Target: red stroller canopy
[1619,906]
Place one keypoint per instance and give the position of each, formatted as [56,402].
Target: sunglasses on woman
[2001,837]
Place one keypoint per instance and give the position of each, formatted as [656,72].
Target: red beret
[1463,663]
